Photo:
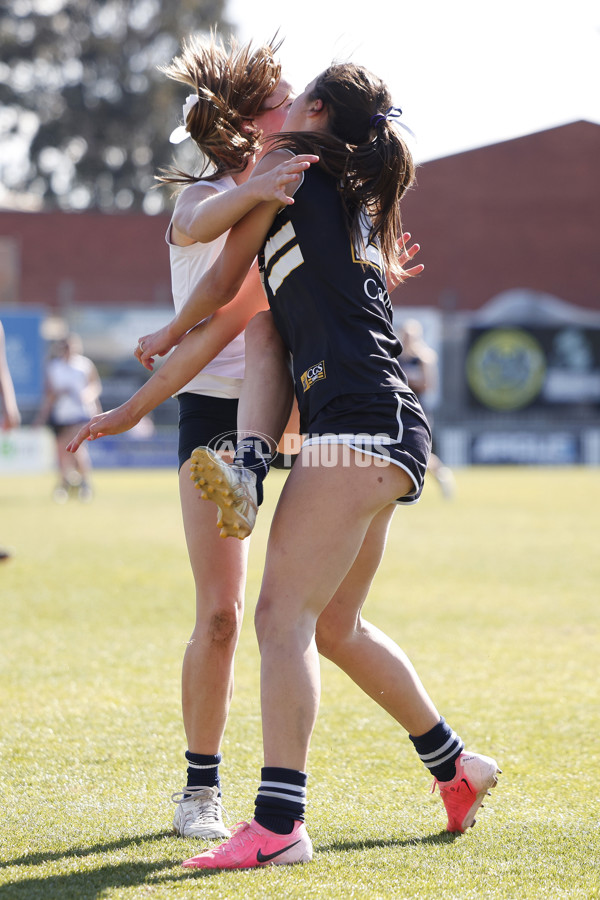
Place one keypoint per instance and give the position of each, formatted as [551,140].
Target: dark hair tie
[394,112]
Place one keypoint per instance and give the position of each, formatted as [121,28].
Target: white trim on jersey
[282,268]
[288,262]
[276,243]
[399,418]
[370,251]
[359,447]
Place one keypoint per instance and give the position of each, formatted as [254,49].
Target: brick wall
[523,213]
[87,258]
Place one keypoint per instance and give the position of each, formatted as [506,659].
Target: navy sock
[254,453]
[439,749]
[203,770]
[281,799]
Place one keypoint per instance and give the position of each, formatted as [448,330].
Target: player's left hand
[115,421]
[408,253]
[156,344]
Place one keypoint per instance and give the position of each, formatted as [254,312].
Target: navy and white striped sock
[439,749]
[281,799]
[203,770]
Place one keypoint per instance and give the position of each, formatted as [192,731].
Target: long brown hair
[363,151]
[232,85]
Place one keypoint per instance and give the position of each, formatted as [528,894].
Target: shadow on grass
[93,883]
[88,885]
[34,859]
[444,837]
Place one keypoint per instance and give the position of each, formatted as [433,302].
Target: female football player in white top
[71,395]
[238,100]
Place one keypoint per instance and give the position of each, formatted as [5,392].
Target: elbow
[223,287]
[193,228]
[223,296]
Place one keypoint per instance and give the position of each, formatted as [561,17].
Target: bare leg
[219,569]
[267,390]
[372,659]
[316,537]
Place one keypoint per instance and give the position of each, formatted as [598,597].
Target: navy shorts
[389,427]
[202,419]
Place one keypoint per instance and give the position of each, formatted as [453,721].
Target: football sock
[254,453]
[439,749]
[281,799]
[203,770]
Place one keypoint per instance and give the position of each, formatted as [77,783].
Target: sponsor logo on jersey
[312,374]
[376,291]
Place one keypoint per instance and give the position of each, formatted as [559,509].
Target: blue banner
[25,352]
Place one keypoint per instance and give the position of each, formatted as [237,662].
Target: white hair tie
[181,133]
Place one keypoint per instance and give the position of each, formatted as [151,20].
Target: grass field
[494,596]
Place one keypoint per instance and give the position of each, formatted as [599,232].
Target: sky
[466,73]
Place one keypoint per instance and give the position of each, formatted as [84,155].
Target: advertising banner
[25,350]
[509,369]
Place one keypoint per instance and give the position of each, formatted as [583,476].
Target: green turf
[495,598]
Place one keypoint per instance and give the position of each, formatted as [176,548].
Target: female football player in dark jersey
[323,258]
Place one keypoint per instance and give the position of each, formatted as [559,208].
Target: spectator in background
[419,362]
[71,396]
[11,417]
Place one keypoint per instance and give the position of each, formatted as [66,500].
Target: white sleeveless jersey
[68,379]
[223,376]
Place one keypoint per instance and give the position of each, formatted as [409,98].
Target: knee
[224,627]
[282,624]
[333,633]
[261,335]
[263,619]
[221,625]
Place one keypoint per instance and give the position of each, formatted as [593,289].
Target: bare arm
[93,389]
[222,281]
[11,416]
[201,215]
[197,349]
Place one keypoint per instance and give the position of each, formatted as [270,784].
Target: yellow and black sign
[506,368]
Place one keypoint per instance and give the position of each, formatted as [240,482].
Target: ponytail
[364,151]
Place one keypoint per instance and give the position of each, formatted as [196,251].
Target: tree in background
[85,114]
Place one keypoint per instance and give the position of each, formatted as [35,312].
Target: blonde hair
[233,83]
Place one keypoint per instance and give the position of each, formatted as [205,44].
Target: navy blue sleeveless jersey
[333,313]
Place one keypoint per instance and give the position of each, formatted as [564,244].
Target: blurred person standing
[11,417]
[71,395]
[420,365]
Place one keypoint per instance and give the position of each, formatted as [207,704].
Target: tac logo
[315,373]
[506,368]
